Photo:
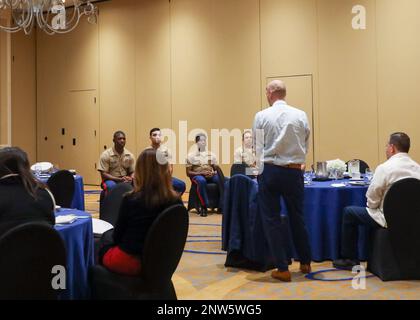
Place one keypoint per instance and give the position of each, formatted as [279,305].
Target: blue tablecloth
[323,210]
[78,239]
[79,193]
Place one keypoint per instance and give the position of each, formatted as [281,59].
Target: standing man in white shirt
[283,152]
[398,166]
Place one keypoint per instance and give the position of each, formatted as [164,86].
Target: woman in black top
[22,198]
[152,194]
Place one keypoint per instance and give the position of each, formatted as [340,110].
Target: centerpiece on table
[336,168]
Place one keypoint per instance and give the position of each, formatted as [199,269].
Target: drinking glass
[334,174]
[38,170]
[308,176]
[368,175]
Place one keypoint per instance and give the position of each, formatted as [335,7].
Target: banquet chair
[395,253]
[61,185]
[214,193]
[238,168]
[110,207]
[28,254]
[363,165]
[162,251]
[222,182]
[242,230]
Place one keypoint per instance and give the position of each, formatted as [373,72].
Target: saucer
[358,183]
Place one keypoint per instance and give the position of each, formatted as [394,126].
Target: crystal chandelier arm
[88,10]
[25,13]
[12,5]
[50,30]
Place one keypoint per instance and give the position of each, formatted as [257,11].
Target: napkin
[338,185]
[101,226]
[67,219]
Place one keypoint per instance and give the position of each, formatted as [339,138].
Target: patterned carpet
[201,273]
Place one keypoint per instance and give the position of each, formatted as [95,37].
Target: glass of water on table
[38,171]
[368,175]
[308,176]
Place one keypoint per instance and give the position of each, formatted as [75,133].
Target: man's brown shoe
[305,268]
[284,276]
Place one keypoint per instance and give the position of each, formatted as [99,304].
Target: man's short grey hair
[277,86]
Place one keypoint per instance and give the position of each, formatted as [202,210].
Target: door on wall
[300,95]
[81,148]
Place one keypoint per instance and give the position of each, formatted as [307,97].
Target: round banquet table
[78,240]
[323,210]
[79,193]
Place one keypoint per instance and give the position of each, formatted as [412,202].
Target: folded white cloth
[338,185]
[101,226]
[66,219]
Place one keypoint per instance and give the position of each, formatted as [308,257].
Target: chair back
[164,245]
[402,213]
[112,203]
[363,165]
[222,180]
[220,174]
[61,184]
[28,254]
[238,168]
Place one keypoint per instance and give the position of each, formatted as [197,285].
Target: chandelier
[51,16]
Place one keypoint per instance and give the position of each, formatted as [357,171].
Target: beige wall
[23,116]
[398,43]
[67,98]
[154,63]
[5,89]
[215,67]
[347,113]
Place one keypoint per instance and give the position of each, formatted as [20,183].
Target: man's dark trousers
[276,182]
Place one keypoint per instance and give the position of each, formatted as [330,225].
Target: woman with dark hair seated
[152,194]
[22,198]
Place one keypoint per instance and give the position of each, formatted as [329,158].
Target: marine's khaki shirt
[244,155]
[201,161]
[117,165]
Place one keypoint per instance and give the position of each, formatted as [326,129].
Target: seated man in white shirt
[398,166]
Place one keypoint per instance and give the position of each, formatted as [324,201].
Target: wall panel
[117,56]
[347,83]
[289,50]
[235,69]
[24,93]
[398,71]
[192,83]
[66,65]
[153,69]
[5,87]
